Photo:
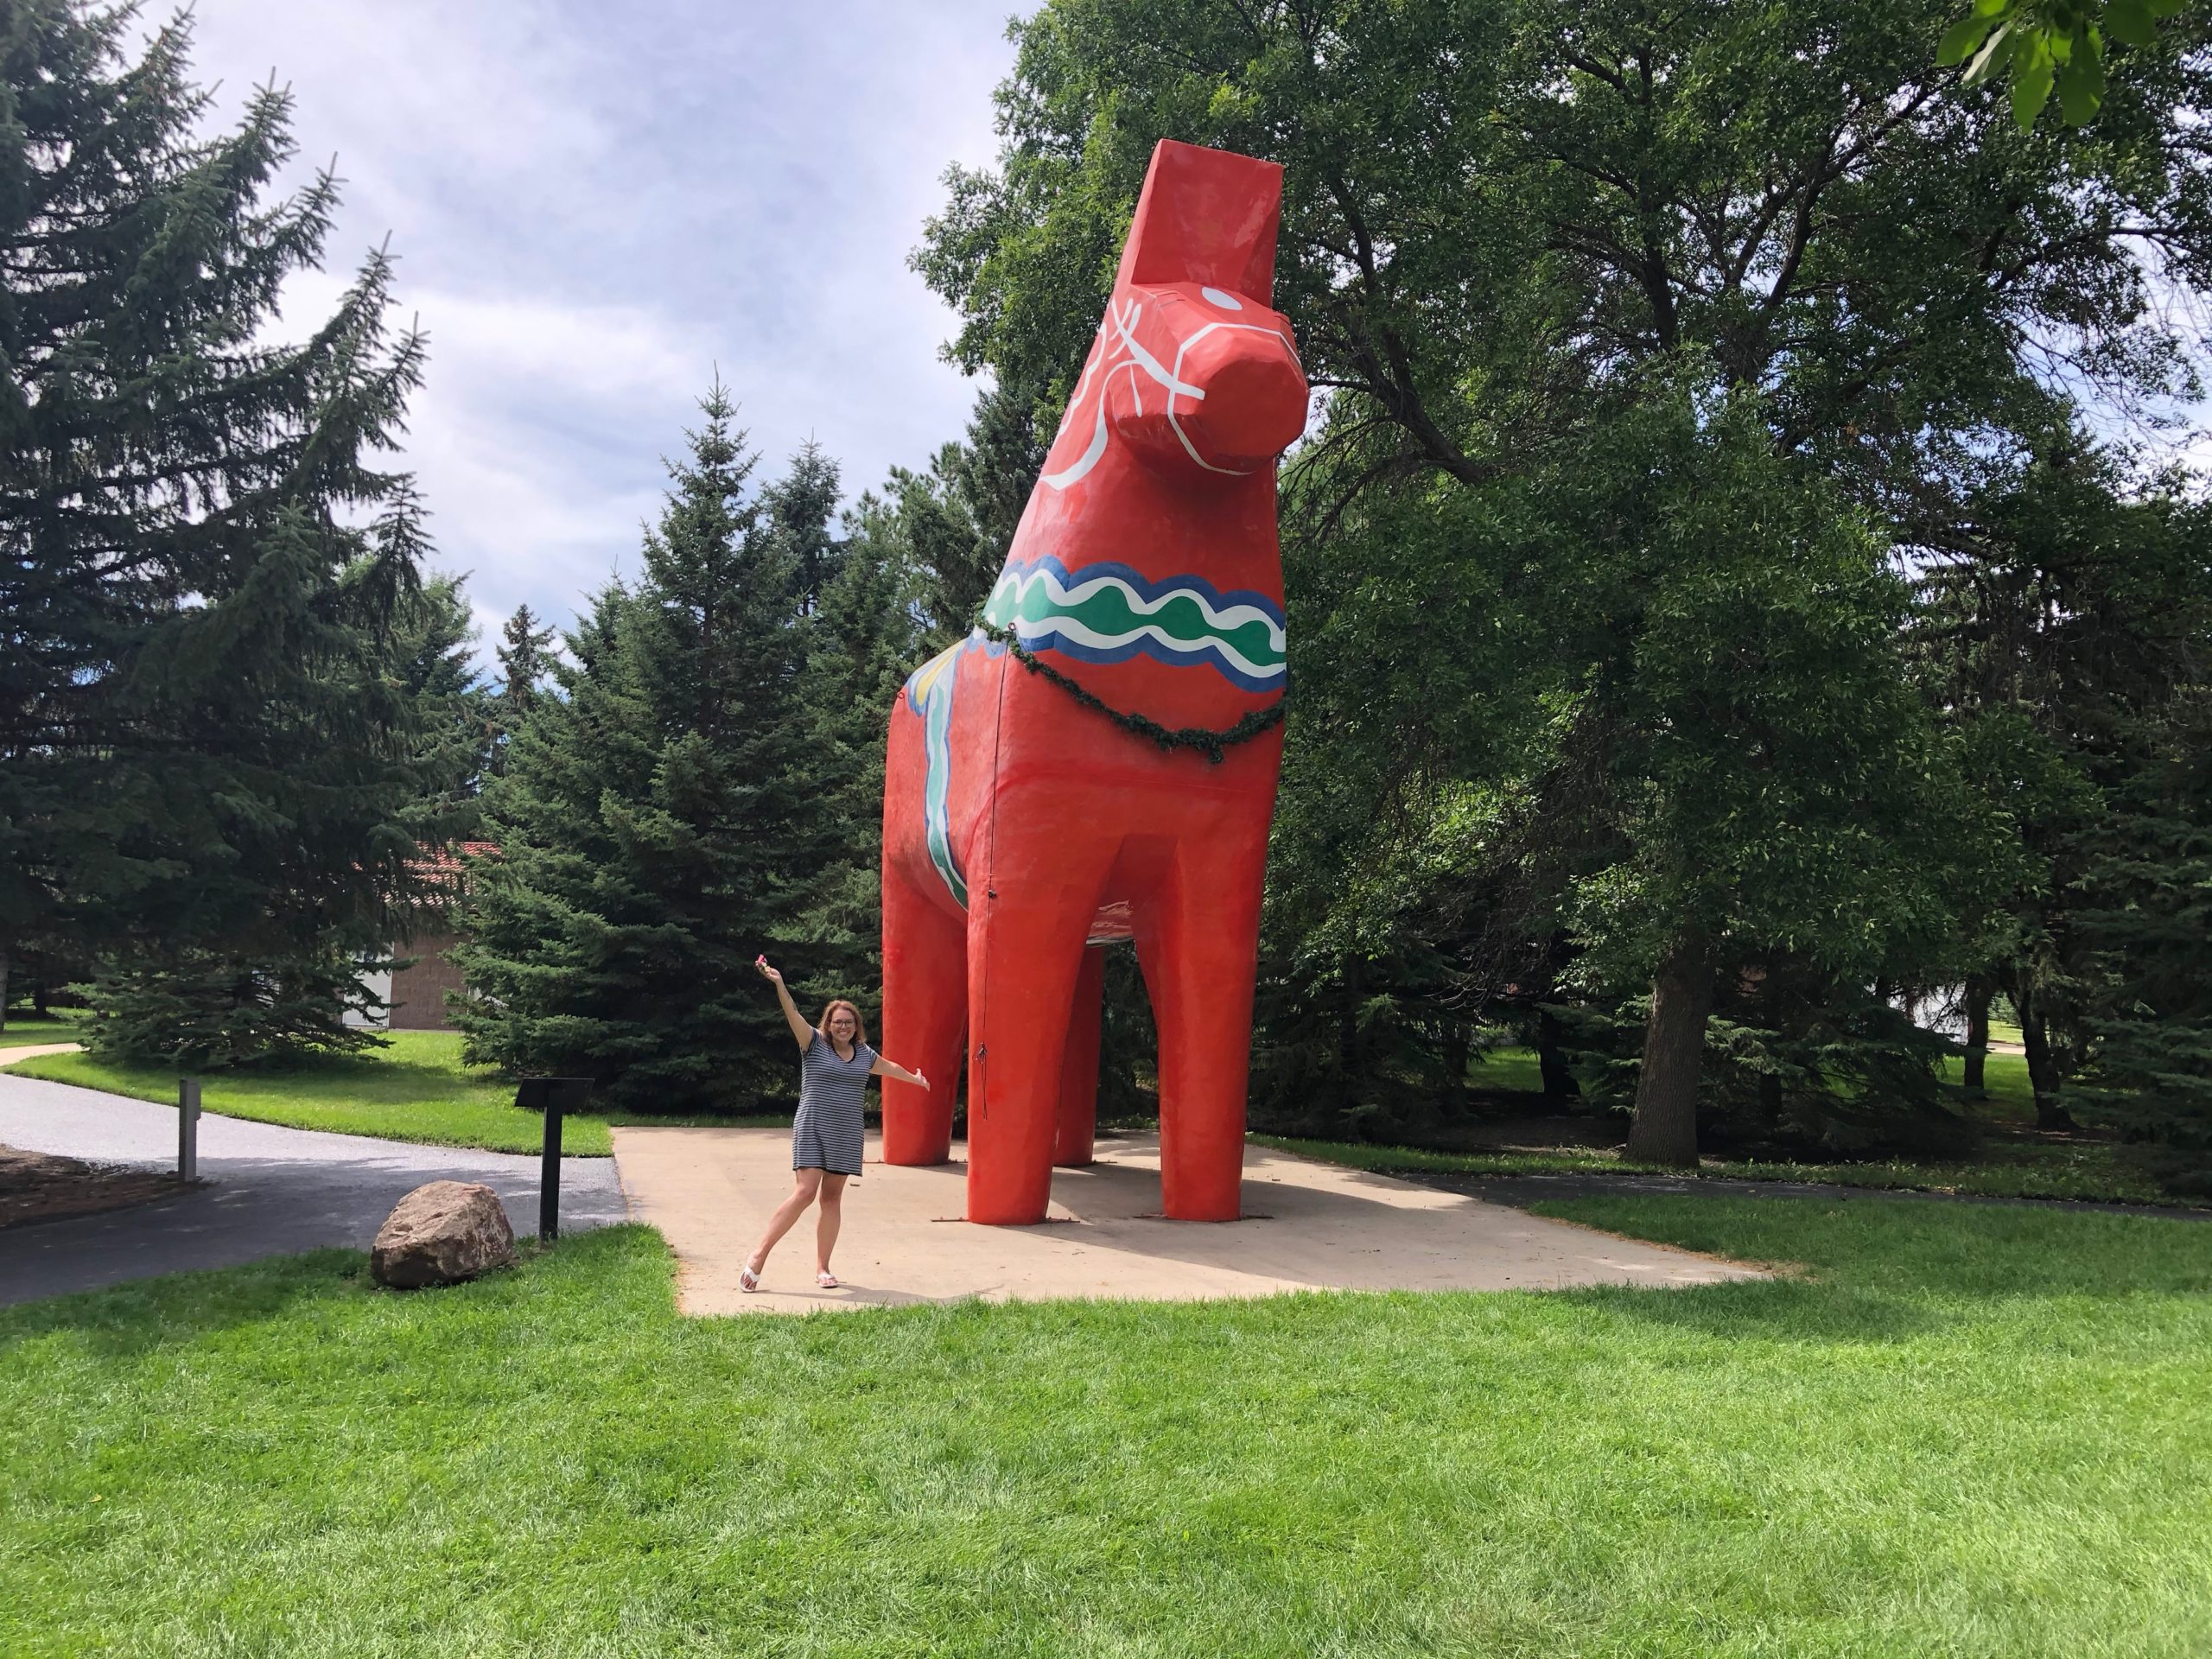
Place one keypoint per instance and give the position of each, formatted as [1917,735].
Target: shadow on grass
[148,1315]
[1789,1309]
[128,1320]
[1868,1272]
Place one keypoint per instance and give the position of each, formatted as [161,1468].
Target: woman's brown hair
[860,1025]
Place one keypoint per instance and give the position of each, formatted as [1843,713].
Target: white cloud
[589,220]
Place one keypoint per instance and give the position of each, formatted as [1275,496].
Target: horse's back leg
[1075,1137]
[925,1018]
[1197,936]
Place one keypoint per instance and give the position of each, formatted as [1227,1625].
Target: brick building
[416,992]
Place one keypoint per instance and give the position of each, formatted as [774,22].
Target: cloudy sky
[594,209]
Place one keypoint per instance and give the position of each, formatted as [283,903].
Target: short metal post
[188,1129]
[552,1096]
[549,1174]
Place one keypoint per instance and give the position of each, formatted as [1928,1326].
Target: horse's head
[1193,369]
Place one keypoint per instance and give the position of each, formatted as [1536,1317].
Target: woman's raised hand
[802,1033]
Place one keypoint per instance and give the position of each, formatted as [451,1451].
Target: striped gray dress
[830,1128]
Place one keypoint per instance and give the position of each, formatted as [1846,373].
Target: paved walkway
[31,1051]
[1309,1226]
[270,1189]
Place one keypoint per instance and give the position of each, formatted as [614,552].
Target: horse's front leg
[1026,923]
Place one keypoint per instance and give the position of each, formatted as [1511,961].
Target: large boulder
[441,1234]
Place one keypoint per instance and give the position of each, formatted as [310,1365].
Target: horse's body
[1020,826]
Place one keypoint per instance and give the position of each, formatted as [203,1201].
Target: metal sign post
[552,1096]
[188,1129]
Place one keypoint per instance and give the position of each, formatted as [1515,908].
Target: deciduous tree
[1530,247]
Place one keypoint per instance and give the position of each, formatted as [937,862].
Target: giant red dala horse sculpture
[1022,827]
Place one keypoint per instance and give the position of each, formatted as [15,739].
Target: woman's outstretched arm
[892,1069]
[800,1030]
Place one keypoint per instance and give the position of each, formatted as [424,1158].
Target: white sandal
[748,1277]
[827,1280]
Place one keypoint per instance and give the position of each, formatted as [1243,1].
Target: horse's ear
[1206,216]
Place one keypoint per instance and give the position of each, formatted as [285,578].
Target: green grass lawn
[416,1090]
[2008,1165]
[2005,1077]
[1507,1070]
[1956,1431]
[25,1027]
[2097,1171]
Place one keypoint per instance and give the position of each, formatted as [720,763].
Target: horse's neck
[1221,531]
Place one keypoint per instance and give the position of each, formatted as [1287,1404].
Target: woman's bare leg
[808,1183]
[826,1224]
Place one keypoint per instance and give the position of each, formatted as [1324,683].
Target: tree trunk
[1664,1129]
[2043,1065]
[3,987]
[1458,1052]
[1551,1064]
[1348,1081]
[1770,1100]
[1348,1023]
[1977,1000]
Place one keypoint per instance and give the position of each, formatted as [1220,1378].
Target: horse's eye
[1216,297]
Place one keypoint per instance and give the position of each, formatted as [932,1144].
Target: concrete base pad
[1308,1226]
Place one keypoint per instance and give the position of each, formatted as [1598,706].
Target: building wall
[418,991]
[378,985]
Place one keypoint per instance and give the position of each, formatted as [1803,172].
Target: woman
[834,1065]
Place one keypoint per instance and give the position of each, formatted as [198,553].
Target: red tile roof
[447,864]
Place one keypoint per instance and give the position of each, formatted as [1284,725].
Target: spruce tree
[956,521]
[2067,631]
[2146,917]
[801,512]
[865,640]
[209,753]
[436,648]
[524,664]
[654,828]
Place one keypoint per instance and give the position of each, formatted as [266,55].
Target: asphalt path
[269,1191]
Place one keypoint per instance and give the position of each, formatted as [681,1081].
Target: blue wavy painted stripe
[1110,612]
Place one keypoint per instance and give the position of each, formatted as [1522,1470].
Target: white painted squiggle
[1086,461]
[1117,350]
[1066,597]
[1015,584]
[1183,437]
[1152,365]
